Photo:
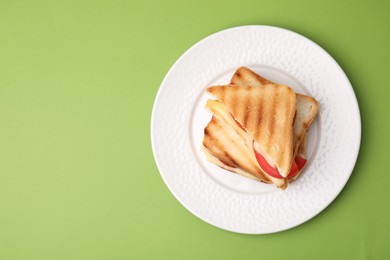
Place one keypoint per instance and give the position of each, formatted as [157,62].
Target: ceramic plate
[227,200]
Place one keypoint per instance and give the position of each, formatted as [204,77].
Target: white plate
[229,201]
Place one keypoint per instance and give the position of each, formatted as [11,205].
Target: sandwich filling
[269,168]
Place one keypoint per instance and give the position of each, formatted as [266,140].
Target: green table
[77,85]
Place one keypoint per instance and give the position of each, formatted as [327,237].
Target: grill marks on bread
[226,144]
[306,106]
[267,113]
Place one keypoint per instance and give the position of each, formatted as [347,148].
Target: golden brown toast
[246,77]
[267,114]
[228,146]
[307,107]
[224,143]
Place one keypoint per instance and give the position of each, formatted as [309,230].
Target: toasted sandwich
[227,145]
[306,106]
[264,116]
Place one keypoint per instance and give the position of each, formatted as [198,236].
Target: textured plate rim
[358,130]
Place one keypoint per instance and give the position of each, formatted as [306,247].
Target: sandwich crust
[246,77]
[307,108]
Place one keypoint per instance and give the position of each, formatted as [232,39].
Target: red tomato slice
[300,161]
[294,170]
[296,165]
[271,171]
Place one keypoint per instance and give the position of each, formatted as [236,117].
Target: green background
[77,85]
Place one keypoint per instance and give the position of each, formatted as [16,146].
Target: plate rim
[355,107]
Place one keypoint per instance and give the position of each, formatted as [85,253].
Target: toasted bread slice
[229,146]
[224,129]
[246,77]
[267,114]
[223,142]
[306,106]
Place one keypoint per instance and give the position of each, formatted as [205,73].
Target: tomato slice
[228,164]
[294,170]
[271,171]
[297,164]
[300,161]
